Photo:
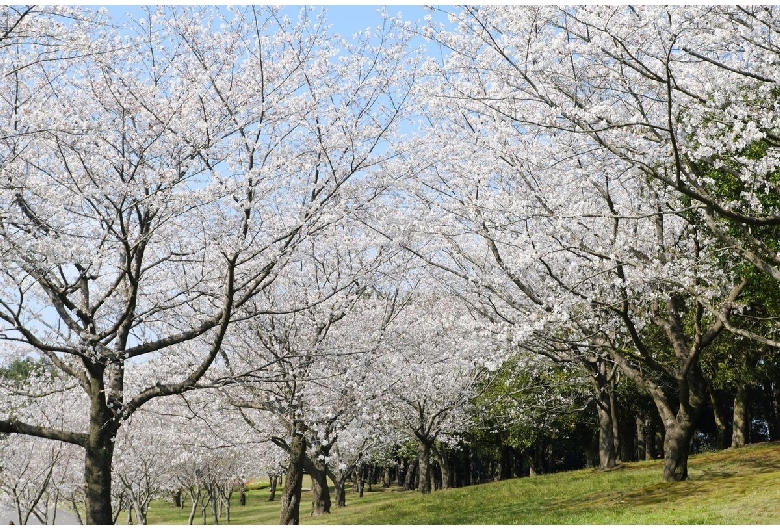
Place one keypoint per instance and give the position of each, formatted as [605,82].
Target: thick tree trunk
[97,474]
[339,490]
[677,445]
[607,454]
[601,378]
[679,428]
[679,411]
[320,503]
[291,494]
[177,498]
[739,432]
[424,473]
[386,477]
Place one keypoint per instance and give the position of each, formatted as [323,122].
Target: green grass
[736,486]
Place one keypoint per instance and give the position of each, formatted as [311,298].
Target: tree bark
[320,503]
[677,444]
[99,452]
[721,424]
[601,377]
[615,426]
[410,474]
[339,490]
[272,481]
[774,405]
[651,443]
[445,463]
[607,455]
[739,432]
[641,446]
[291,494]
[424,474]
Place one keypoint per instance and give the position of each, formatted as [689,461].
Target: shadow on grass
[732,472]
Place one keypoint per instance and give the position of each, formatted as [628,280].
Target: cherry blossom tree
[567,226]
[433,356]
[169,179]
[308,368]
[34,476]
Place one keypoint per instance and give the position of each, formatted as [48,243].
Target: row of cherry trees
[233,244]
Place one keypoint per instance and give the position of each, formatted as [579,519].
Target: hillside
[735,486]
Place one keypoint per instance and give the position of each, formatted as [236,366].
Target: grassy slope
[736,486]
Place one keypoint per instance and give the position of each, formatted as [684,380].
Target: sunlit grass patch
[739,486]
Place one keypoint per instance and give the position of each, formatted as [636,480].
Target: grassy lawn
[736,486]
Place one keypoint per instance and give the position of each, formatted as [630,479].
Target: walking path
[8,516]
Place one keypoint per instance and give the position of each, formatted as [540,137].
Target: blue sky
[346,19]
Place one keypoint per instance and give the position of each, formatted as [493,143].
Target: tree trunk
[615,426]
[370,476]
[774,405]
[679,411]
[445,463]
[602,380]
[505,471]
[679,428]
[739,432]
[607,455]
[195,493]
[468,465]
[320,503]
[677,445]
[140,514]
[721,424]
[424,473]
[97,476]
[410,474]
[213,504]
[401,474]
[338,490]
[272,481]
[177,498]
[291,494]
[536,459]
[386,477]
[651,444]
[641,447]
